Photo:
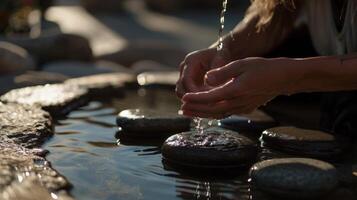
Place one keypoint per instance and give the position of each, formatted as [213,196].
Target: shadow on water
[101,164]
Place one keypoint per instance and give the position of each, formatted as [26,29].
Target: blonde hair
[268,9]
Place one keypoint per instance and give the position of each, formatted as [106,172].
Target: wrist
[294,73]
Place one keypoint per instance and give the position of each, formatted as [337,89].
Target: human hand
[194,68]
[240,87]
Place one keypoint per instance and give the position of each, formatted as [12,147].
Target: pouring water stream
[199,122]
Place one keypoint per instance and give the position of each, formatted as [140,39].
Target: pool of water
[85,150]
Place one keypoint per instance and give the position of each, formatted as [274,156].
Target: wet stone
[304,142]
[28,126]
[18,163]
[31,189]
[104,85]
[151,123]
[57,99]
[163,79]
[216,148]
[294,178]
[256,122]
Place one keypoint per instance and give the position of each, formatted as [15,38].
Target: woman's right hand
[194,68]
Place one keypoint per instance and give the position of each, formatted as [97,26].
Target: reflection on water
[90,152]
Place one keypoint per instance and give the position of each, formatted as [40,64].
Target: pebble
[14,59]
[147,123]
[294,178]
[216,148]
[304,142]
[256,122]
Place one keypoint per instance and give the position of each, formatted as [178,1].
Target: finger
[226,91]
[223,74]
[180,90]
[194,70]
[182,65]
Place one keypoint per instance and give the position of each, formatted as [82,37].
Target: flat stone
[304,142]
[57,99]
[294,178]
[215,148]
[75,69]
[14,59]
[256,121]
[167,79]
[18,163]
[151,123]
[104,85]
[25,125]
[31,189]
[52,47]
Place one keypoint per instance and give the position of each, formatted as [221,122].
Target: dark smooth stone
[104,85]
[14,59]
[151,123]
[257,122]
[294,178]
[57,99]
[25,125]
[304,142]
[216,148]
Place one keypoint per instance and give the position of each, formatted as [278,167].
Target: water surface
[85,150]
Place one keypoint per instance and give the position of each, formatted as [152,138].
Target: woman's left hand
[241,87]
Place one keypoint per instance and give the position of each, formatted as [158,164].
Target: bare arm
[326,73]
[248,39]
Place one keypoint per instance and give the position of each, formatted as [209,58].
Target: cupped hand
[240,87]
[194,68]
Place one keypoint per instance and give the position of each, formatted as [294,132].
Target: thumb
[224,74]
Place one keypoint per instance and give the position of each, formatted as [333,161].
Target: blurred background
[49,40]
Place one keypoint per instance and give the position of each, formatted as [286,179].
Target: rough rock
[151,124]
[110,84]
[215,148]
[17,163]
[304,142]
[28,126]
[57,99]
[294,178]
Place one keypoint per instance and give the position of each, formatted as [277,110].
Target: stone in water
[216,148]
[28,126]
[304,142]
[151,123]
[294,178]
[256,122]
[103,85]
[57,99]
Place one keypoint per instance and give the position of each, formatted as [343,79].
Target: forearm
[322,74]
[247,39]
